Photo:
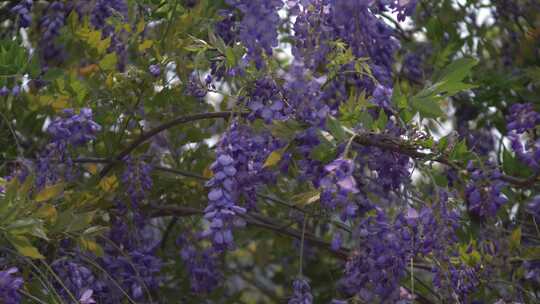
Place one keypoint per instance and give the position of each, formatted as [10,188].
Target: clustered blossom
[137,272]
[74,129]
[23,10]
[67,132]
[103,10]
[325,21]
[522,120]
[197,88]
[533,206]
[78,279]
[463,280]
[375,269]
[266,102]
[337,185]
[301,292]
[128,266]
[483,192]
[403,8]
[528,152]
[222,207]
[137,180]
[154,70]
[532,270]
[4,91]
[415,66]
[387,246]
[238,172]
[131,261]
[202,266]
[258,26]
[50,24]
[10,283]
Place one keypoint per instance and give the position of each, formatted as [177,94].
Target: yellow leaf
[207,172]
[307,198]
[127,27]
[60,103]
[50,192]
[24,247]
[88,70]
[273,158]
[108,184]
[91,246]
[145,45]
[92,168]
[108,62]
[515,238]
[140,26]
[47,212]
[109,81]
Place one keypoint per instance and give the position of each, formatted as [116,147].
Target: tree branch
[144,137]
[382,141]
[261,221]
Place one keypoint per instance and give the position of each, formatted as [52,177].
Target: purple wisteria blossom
[10,283]
[301,292]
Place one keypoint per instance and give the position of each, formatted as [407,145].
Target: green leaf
[108,63]
[28,226]
[73,222]
[426,102]
[457,70]
[285,129]
[336,129]
[324,152]
[382,120]
[460,151]
[512,166]
[398,98]
[24,247]
[53,73]
[427,107]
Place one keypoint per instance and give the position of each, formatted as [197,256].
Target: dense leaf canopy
[269,151]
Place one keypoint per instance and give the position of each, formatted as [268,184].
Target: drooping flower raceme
[77,278]
[522,120]
[103,10]
[10,283]
[258,26]
[375,269]
[50,24]
[202,265]
[337,186]
[137,180]
[24,12]
[484,191]
[301,292]
[222,206]
[67,132]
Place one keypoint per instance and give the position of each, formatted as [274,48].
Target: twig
[144,137]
